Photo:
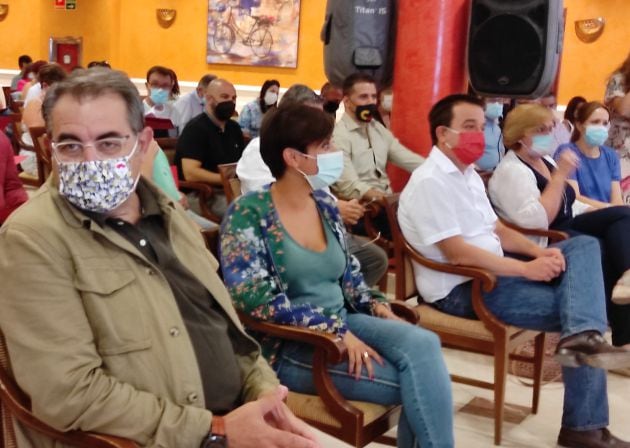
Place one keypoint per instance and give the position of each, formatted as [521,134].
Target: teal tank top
[315,277]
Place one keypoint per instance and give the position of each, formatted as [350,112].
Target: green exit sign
[71,4]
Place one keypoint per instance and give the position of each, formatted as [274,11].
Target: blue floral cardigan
[252,260]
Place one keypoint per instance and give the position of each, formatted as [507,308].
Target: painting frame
[262,33]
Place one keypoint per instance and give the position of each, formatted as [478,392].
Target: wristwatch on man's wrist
[216,438]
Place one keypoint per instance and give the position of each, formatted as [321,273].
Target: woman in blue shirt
[284,258]
[596,179]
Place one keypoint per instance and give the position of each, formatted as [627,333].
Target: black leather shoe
[591,349]
[597,438]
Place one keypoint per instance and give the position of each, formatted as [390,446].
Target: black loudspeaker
[514,46]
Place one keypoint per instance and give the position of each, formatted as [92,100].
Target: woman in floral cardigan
[284,260]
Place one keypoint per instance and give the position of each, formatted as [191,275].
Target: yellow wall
[585,67]
[126,33]
[17,38]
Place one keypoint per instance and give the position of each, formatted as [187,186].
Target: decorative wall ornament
[165,17]
[589,30]
[4,11]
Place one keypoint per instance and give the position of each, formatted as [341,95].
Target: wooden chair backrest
[405,279]
[42,152]
[168,145]
[231,183]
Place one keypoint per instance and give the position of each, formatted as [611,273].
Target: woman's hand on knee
[384,312]
[360,354]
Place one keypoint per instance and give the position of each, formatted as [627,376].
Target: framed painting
[253,32]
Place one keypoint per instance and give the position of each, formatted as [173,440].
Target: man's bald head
[218,86]
[220,91]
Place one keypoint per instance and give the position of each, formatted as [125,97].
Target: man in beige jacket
[367,145]
[115,319]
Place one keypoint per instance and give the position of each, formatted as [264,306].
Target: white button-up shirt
[440,202]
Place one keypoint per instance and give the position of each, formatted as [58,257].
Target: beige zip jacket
[94,334]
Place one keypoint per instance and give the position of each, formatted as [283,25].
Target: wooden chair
[488,335]
[15,407]
[8,122]
[26,178]
[204,191]
[14,105]
[6,92]
[355,422]
[231,184]
[42,152]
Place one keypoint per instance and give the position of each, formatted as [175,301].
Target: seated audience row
[445,214]
[135,292]
[532,192]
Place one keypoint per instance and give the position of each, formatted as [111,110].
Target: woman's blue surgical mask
[494,110]
[543,144]
[159,96]
[329,168]
[596,134]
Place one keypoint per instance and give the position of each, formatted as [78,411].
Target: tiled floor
[539,431]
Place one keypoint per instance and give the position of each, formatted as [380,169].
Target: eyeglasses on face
[106,148]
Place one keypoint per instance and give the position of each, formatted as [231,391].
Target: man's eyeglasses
[106,148]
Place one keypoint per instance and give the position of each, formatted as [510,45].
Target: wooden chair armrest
[200,187]
[487,279]
[553,235]
[330,343]
[18,405]
[401,309]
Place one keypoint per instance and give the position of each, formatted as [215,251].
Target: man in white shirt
[445,214]
[254,174]
[192,104]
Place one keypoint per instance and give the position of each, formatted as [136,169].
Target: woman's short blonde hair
[522,119]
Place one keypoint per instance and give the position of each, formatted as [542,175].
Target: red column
[430,64]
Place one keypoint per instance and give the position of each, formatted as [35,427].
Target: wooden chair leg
[539,356]
[500,374]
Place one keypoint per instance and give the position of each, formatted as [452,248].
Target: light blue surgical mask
[329,169]
[596,134]
[543,144]
[494,110]
[159,96]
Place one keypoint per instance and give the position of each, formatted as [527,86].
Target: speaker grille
[506,51]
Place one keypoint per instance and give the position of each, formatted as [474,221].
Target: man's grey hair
[92,83]
[299,94]
[205,80]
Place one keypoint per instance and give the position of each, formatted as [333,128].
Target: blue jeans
[572,303]
[414,374]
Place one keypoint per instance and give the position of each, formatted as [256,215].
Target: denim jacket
[252,260]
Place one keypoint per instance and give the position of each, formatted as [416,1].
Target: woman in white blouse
[530,190]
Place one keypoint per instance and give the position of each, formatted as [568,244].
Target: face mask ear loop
[302,172]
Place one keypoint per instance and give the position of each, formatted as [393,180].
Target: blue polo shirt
[594,176]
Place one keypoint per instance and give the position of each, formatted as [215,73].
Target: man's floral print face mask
[97,185]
